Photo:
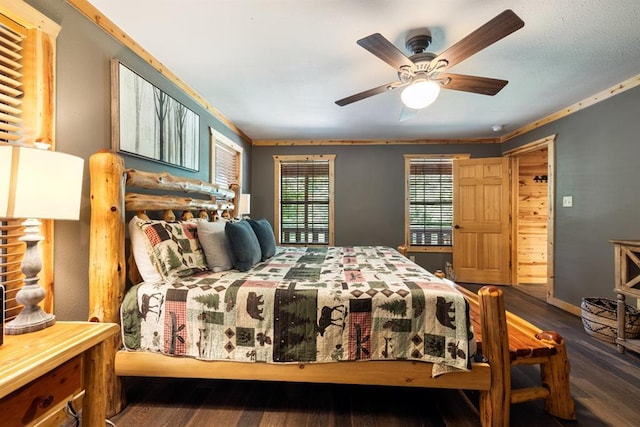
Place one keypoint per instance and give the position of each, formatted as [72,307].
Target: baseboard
[564,306]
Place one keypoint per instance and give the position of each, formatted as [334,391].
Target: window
[26,94]
[226,160]
[429,195]
[304,199]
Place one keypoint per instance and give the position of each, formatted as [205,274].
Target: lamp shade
[245,204]
[420,94]
[40,184]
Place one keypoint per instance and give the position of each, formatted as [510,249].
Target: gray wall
[369,189]
[597,152]
[83,126]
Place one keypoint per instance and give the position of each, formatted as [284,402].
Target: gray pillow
[244,245]
[266,238]
[214,243]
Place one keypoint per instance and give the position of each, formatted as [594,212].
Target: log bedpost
[107,259]
[555,376]
[495,402]
[236,201]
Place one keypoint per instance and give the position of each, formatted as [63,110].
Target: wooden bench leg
[555,376]
[495,403]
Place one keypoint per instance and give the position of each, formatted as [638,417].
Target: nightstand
[40,371]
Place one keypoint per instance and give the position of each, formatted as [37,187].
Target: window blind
[304,202]
[226,165]
[11,253]
[10,80]
[11,248]
[430,202]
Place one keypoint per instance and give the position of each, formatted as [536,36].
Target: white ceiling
[275,68]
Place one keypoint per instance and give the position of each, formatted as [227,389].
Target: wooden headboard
[114,184]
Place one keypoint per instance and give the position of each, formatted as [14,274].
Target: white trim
[219,137]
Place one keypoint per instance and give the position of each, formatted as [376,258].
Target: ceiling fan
[424,73]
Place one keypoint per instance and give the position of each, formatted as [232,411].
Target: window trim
[277,160]
[216,137]
[407,173]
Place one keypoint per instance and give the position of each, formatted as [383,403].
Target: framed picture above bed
[149,123]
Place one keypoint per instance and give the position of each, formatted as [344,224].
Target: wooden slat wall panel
[532,217]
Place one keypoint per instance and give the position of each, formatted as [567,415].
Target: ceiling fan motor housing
[418,43]
[421,63]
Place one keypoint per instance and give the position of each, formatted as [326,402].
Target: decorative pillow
[244,245]
[146,268]
[214,243]
[173,247]
[266,238]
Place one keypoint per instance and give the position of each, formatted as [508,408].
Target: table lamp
[36,184]
[244,207]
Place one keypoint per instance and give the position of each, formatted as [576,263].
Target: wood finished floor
[604,384]
[536,290]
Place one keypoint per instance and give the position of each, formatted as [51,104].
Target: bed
[350,315]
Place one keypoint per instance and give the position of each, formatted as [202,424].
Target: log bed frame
[505,339]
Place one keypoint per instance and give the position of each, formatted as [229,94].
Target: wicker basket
[600,320]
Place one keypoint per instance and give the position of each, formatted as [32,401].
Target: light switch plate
[567,201]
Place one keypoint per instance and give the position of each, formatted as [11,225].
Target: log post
[495,402]
[107,260]
[95,395]
[235,212]
[555,376]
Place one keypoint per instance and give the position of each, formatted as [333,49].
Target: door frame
[549,143]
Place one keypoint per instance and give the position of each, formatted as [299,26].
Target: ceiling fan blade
[475,84]
[499,27]
[367,93]
[385,50]
[407,113]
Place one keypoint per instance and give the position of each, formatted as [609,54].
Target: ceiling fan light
[420,94]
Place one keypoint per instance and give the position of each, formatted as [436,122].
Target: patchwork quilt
[306,305]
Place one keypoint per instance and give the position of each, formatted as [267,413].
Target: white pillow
[146,268]
[214,243]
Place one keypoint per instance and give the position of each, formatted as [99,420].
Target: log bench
[529,345]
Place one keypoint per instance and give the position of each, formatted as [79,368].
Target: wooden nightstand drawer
[54,362]
[35,399]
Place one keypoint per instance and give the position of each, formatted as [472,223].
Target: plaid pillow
[173,247]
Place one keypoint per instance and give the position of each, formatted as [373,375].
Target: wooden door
[481,250]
